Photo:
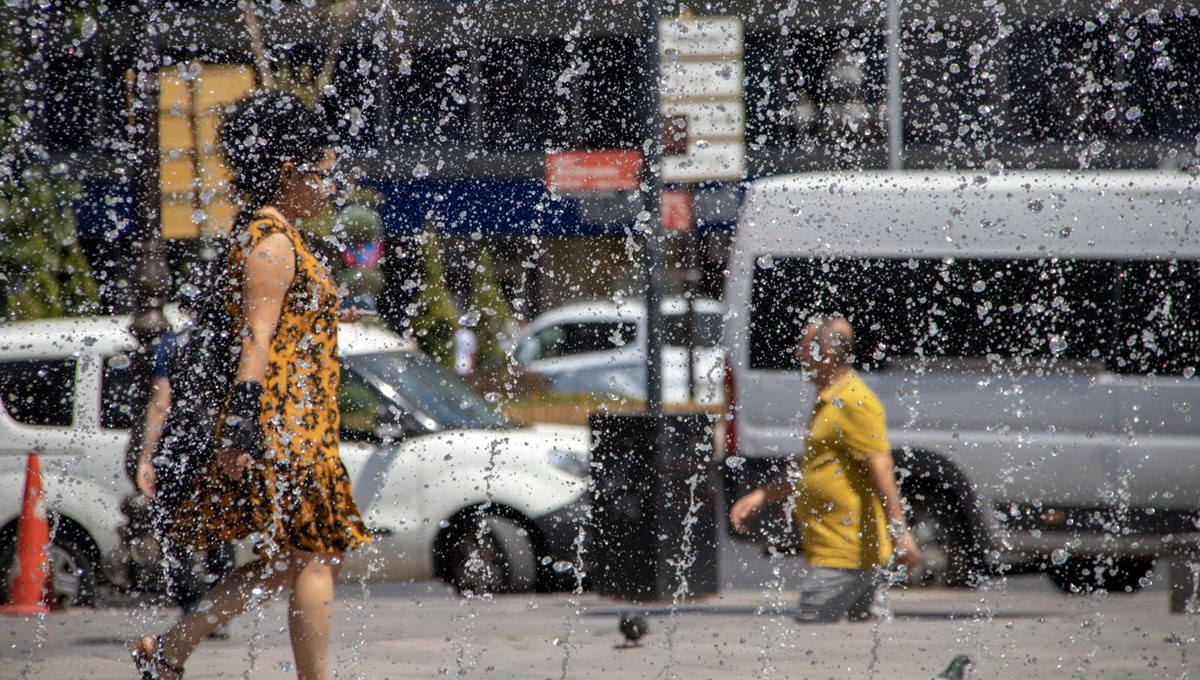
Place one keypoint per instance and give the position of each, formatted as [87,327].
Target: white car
[448,489]
[599,347]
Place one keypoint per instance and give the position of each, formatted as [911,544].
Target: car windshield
[417,385]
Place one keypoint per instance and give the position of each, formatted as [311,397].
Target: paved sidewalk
[423,631]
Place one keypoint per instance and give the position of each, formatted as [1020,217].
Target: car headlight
[571,462]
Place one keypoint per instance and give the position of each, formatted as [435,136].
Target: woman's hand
[146,477]
[233,463]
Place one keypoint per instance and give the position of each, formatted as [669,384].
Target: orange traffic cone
[33,535]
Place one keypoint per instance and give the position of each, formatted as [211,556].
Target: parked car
[1033,337]
[446,486]
[599,347]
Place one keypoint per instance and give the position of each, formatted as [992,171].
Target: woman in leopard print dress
[276,476]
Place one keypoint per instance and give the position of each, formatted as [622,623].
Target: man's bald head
[827,340]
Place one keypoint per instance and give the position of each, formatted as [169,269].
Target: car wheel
[1089,574]
[492,555]
[73,569]
[943,542]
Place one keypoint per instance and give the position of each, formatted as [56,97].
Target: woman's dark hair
[263,131]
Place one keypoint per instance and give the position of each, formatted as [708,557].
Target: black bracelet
[242,430]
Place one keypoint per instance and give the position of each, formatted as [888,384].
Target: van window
[948,307]
[39,392]
[1160,318]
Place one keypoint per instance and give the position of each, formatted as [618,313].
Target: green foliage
[435,319]
[495,317]
[43,272]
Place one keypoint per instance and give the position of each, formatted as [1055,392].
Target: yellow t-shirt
[841,519]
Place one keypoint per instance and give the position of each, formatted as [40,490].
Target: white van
[1034,337]
[447,487]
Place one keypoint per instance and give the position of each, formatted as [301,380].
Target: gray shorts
[828,595]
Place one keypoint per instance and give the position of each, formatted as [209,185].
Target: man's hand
[233,463]
[746,507]
[906,550]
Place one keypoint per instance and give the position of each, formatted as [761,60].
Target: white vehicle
[599,347]
[1034,337]
[445,486]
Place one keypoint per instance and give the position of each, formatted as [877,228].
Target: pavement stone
[423,630]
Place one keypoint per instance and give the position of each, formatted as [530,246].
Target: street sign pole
[651,189]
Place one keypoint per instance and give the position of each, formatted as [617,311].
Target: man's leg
[828,595]
[873,605]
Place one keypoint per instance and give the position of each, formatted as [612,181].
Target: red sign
[593,170]
[676,210]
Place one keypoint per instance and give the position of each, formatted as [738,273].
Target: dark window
[708,330]
[522,108]
[1061,76]
[118,394]
[948,84]
[930,307]
[353,106]
[430,98]
[581,338]
[39,392]
[1159,329]
[605,95]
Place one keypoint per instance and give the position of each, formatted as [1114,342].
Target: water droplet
[492,397]
[1059,557]
[766,262]
[1183,406]
[701,143]
[1058,344]
[88,28]
[1133,113]
[119,361]
[420,170]
[444,524]
[979,286]
[562,567]
[1065,232]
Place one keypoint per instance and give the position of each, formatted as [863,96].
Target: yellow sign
[195,184]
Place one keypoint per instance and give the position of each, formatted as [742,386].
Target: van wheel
[1090,574]
[491,555]
[73,569]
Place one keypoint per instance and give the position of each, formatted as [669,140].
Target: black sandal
[148,658]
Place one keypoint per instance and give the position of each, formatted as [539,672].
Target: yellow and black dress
[298,496]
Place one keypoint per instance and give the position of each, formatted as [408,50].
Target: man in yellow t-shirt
[847,505]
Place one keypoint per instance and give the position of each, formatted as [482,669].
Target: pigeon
[956,669]
[634,627]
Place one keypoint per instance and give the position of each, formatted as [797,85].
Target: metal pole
[651,180]
[895,111]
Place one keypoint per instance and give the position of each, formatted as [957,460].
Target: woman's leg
[310,611]
[228,598]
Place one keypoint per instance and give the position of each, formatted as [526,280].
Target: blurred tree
[434,318]
[495,317]
[43,272]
